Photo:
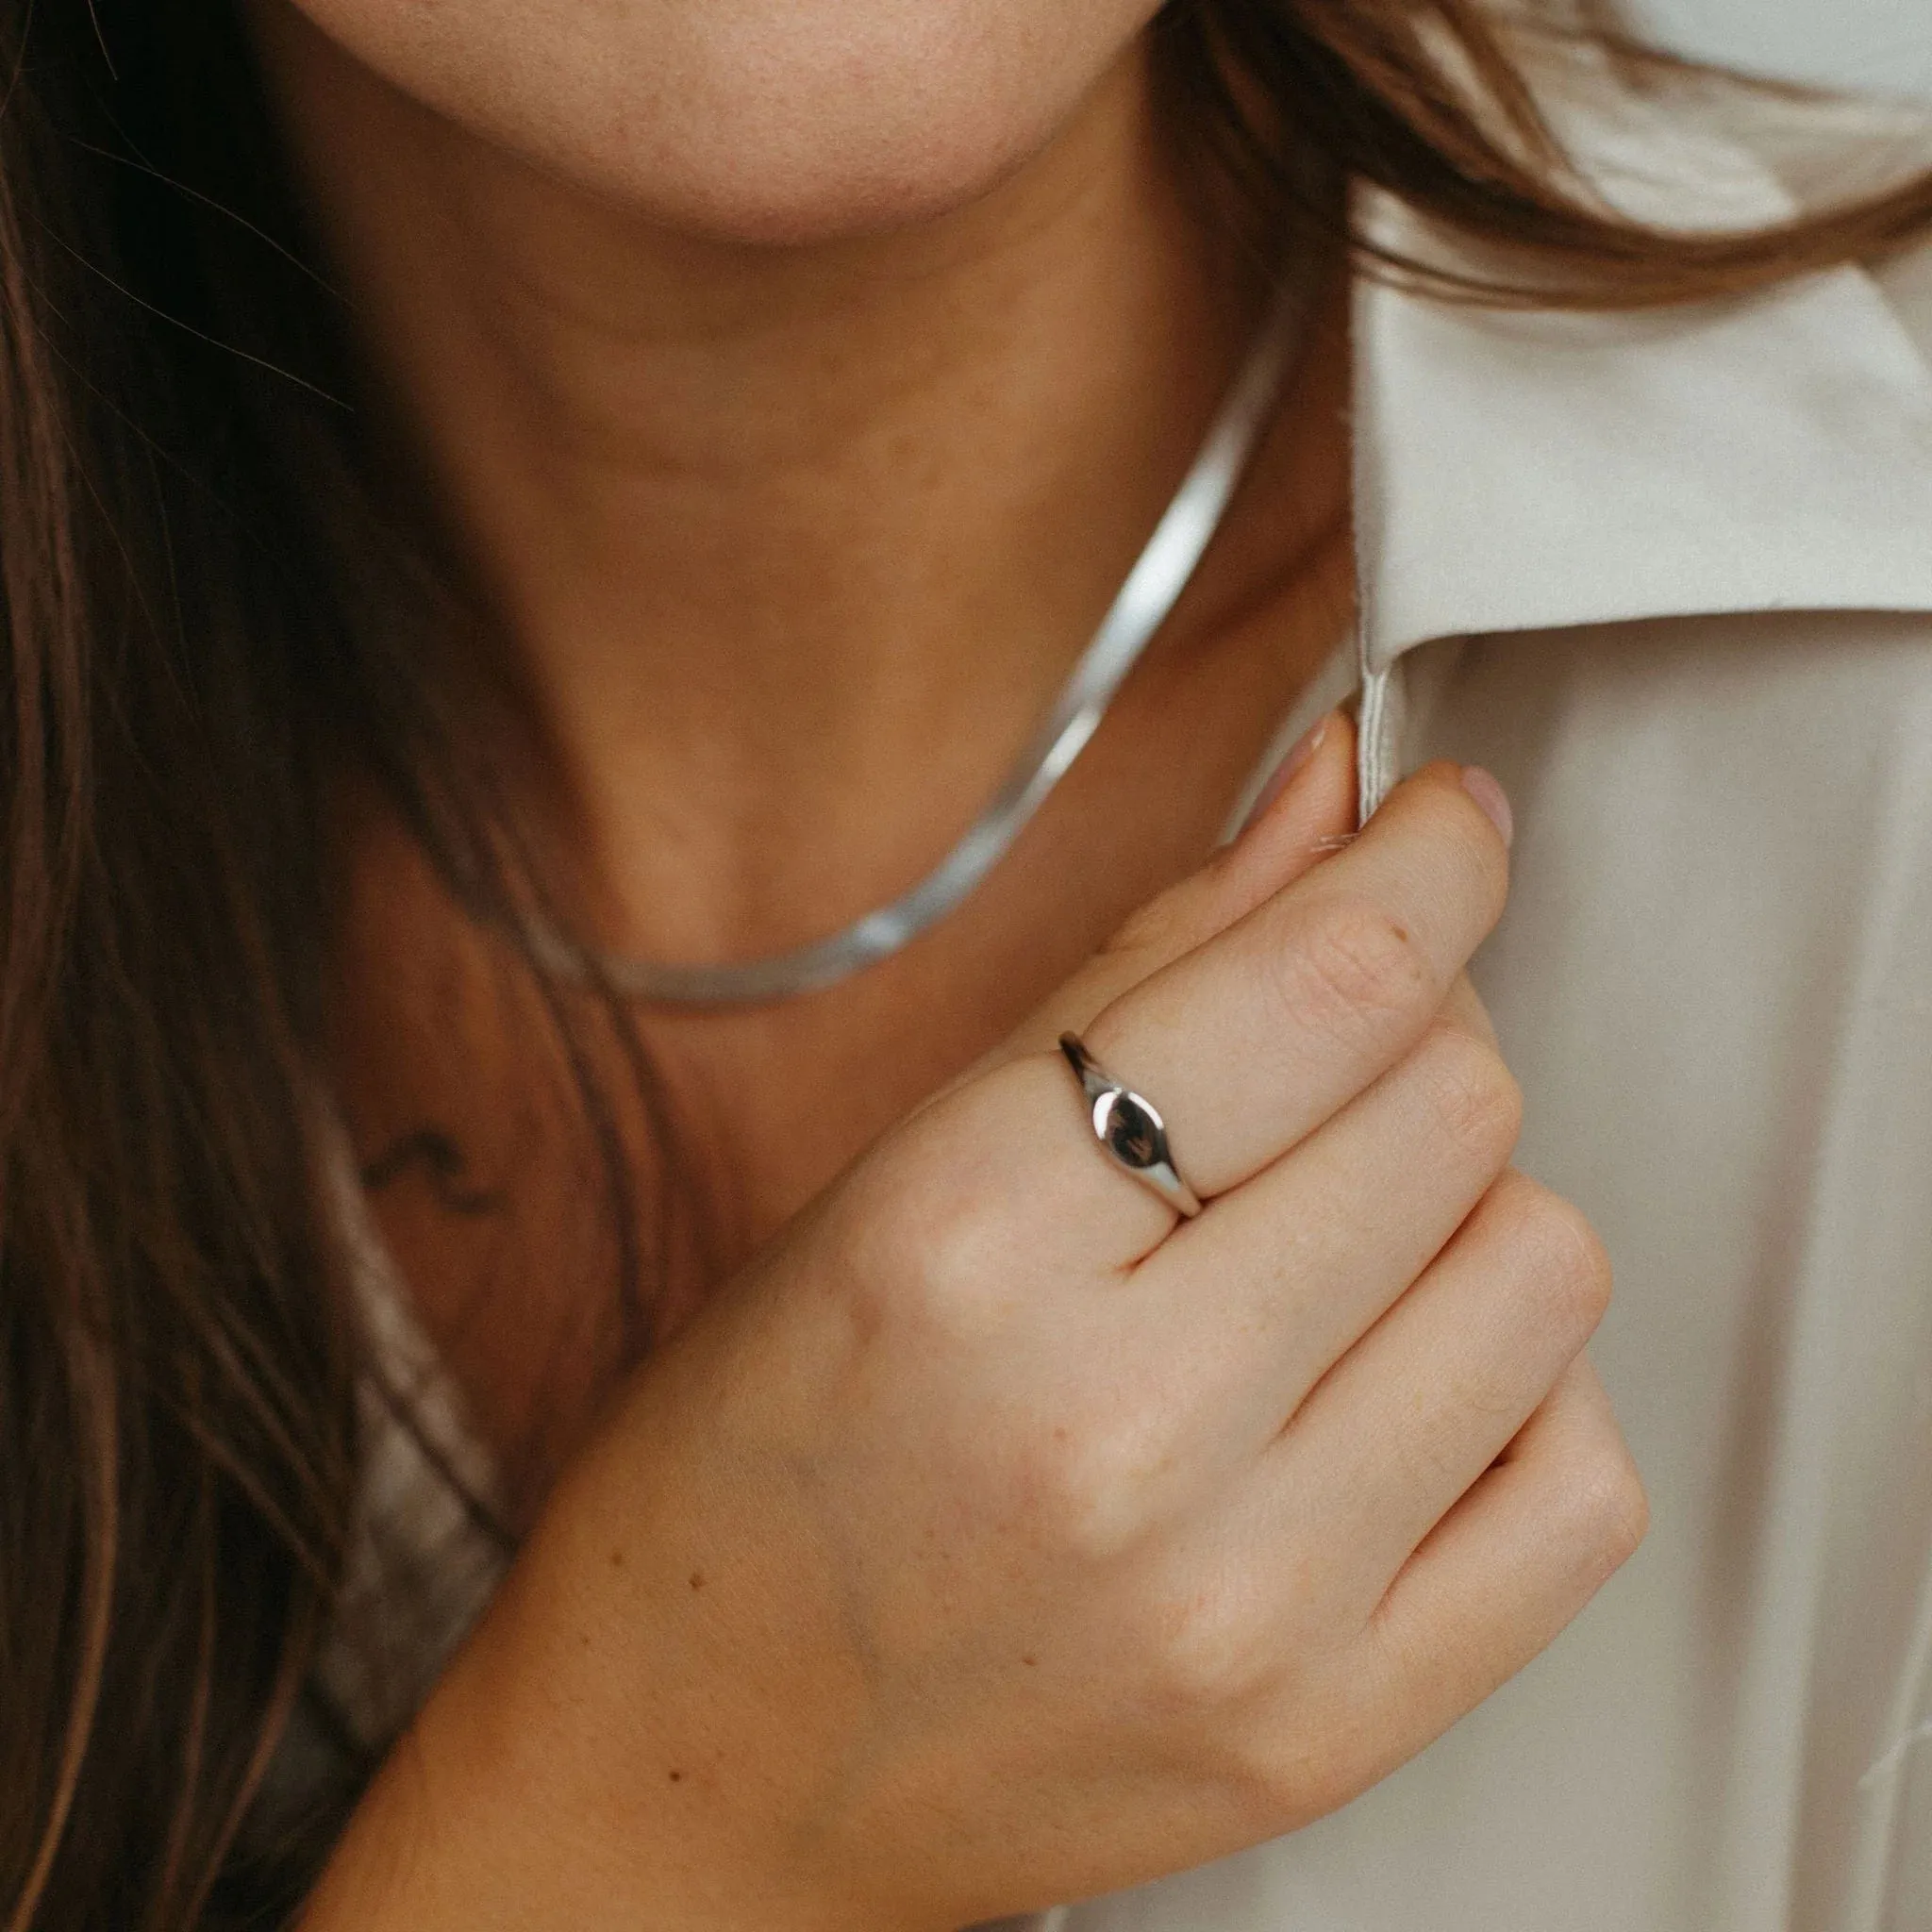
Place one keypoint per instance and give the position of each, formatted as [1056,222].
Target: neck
[790,547]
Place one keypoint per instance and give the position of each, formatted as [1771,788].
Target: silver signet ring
[1129,1126]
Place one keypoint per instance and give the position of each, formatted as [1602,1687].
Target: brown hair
[205,616]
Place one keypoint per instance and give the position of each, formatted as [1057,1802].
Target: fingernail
[1482,787]
[1299,753]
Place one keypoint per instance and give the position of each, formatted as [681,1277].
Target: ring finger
[1295,1266]
[1407,1421]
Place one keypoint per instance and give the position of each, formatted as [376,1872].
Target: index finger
[1304,827]
[1252,1040]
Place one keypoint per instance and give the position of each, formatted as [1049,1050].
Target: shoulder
[1836,152]
[1905,282]
[1702,152]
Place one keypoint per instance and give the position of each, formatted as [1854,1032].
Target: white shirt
[1670,576]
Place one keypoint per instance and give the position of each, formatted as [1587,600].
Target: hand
[995,1540]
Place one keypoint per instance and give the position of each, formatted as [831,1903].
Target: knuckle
[957,1261]
[1292,1763]
[1356,962]
[922,1249]
[1476,1096]
[871,1234]
[1088,1489]
[1609,1507]
[1206,1656]
[1563,1254]
[1196,1656]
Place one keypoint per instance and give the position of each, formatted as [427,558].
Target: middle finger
[1252,1040]
[1296,1265]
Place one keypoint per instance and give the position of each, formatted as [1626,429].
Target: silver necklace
[1145,600]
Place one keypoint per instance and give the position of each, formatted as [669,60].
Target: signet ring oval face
[1128,1126]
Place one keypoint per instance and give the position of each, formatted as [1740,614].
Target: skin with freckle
[767,121]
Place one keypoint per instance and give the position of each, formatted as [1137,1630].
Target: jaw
[775,122]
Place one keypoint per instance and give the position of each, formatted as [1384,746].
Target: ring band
[1129,1126]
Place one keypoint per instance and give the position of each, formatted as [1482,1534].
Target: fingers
[1408,1420]
[1294,1267]
[1254,1039]
[1464,1007]
[1514,1561]
[1307,821]
[1022,1120]
[1018,1109]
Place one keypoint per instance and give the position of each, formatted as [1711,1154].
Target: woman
[520,526]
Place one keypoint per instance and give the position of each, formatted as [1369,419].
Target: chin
[766,122]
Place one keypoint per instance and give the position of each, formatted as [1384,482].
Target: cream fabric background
[1861,43]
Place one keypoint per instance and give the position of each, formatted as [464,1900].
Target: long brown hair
[207,611]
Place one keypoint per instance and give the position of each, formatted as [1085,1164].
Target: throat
[1143,604]
[777,554]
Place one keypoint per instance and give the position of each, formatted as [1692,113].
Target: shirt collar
[1529,471]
